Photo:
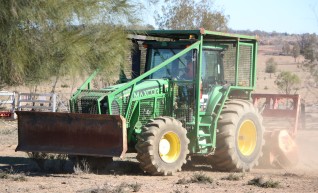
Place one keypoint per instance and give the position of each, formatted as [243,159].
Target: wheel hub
[164,147]
[247,138]
[169,147]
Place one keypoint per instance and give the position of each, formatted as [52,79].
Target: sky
[290,16]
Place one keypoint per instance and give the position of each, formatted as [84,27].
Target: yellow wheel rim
[247,137]
[169,147]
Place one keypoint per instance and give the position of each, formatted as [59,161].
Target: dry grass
[49,162]
[196,178]
[288,174]
[183,181]
[4,175]
[234,177]
[201,178]
[13,175]
[6,131]
[82,167]
[121,188]
[264,183]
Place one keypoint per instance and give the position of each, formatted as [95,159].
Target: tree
[286,48]
[287,82]
[296,51]
[191,14]
[309,46]
[271,66]
[44,38]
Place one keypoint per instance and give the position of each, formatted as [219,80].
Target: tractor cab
[158,52]
[182,70]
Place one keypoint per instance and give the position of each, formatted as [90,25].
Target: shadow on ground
[40,167]
[7,162]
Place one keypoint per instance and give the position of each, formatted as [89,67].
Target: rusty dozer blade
[281,114]
[72,133]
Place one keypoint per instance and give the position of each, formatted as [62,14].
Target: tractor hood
[142,89]
[120,97]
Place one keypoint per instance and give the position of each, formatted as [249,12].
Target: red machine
[281,114]
[5,114]
[7,99]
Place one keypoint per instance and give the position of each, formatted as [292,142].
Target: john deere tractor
[189,95]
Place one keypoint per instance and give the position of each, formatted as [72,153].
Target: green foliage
[271,66]
[191,14]
[296,51]
[286,48]
[309,46]
[44,38]
[287,82]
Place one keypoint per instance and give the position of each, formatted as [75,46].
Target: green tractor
[189,95]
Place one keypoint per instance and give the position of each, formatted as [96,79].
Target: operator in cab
[189,69]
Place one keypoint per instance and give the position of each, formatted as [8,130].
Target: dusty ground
[18,173]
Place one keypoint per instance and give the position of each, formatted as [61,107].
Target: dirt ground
[18,173]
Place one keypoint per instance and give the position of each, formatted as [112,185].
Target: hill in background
[271,47]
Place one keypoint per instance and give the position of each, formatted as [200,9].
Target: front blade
[71,133]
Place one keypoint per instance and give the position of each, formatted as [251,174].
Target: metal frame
[38,100]
[10,101]
[271,109]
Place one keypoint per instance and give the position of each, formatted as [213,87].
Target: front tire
[239,140]
[162,146]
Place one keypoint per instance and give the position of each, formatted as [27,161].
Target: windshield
[173,70]
[212,66]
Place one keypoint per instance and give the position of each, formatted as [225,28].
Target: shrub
[261,182]
[65,86]
[233,177]
[196,178]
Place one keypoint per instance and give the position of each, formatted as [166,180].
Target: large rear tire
[162,146]
[239,140]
